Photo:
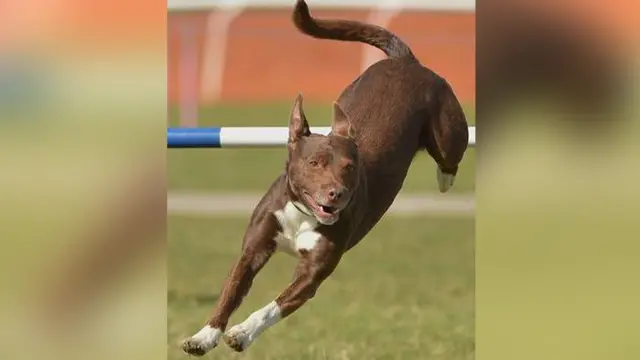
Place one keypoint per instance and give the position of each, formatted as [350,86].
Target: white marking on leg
[445,181]
[205,340]
[240,336]
[298,229]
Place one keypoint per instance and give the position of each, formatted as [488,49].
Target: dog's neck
[302,208]
[295,199]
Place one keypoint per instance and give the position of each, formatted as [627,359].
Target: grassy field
[202,169]
[406,292]
[416,303]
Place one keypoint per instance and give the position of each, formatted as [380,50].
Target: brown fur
[345,30]
[382,119]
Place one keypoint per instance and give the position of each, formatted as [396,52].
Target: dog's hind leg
[257,248]
[446,138]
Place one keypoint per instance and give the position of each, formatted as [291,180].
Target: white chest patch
[298,229]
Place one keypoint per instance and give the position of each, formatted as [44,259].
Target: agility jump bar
[244,137]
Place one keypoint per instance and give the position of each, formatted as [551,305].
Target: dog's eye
[313,163]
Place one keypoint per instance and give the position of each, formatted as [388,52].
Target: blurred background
[551,271]
[86,88]
[241,63]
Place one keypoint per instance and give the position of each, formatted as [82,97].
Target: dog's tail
[346,30]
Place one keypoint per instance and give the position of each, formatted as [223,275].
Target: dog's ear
[298,125]
[341,124]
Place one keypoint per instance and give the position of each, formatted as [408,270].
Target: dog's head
[323,171]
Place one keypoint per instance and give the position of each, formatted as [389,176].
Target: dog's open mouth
[328,209]
[324,213]
[325,210]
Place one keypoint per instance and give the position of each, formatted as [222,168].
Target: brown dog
[337,187]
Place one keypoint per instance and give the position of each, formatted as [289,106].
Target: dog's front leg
[313,268]
[258,247]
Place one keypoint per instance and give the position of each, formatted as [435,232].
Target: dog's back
[397,107]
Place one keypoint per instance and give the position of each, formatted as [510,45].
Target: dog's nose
[336,193]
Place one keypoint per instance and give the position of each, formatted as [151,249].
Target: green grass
[406,292]
[255,169]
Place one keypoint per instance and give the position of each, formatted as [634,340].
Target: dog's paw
[238,338]
[200,343]
[193,347]
[445,181]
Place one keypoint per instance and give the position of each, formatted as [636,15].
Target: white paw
[238,338]
[242,335]
[200,343]
[445,181]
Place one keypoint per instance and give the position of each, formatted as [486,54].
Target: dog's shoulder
[273,199]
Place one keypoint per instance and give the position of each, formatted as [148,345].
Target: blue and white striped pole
[244,137]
